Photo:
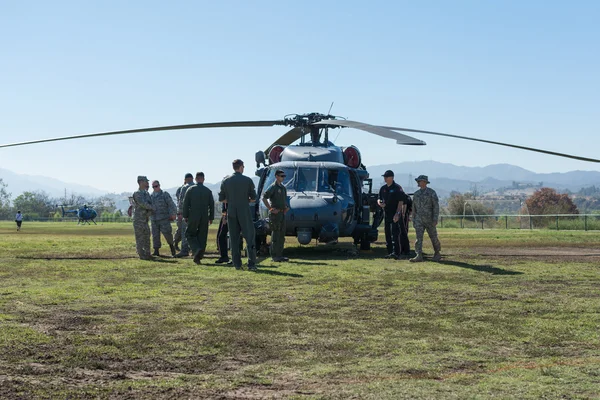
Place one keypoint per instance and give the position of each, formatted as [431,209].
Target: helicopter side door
[339,182]
[357,191]
[263,173]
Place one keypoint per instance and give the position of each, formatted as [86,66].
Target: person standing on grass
[185,247]
[19,220]
[198,212]
[426,211]
[142,209]
[222,236]
[275,199]
[393,201]
[238,191]
[165,211]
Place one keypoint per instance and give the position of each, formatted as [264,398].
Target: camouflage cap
[142,178]
[422,178]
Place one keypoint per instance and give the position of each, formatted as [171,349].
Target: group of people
[195,211]
[399,208]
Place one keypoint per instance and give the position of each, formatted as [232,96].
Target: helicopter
[329,190]
[85,214]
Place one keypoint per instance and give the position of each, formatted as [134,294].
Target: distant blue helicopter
[85,214]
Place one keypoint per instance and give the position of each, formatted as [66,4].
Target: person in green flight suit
[277,195]
[198,212]
[238,191]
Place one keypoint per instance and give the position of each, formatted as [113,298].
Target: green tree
[34,203]
[4,200]
[465,203]
[104,204]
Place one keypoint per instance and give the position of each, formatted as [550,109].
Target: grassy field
[507,314]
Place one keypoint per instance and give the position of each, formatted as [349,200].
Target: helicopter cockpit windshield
[311,179]
[288,182]
[337,180]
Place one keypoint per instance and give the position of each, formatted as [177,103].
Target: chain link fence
[585,222]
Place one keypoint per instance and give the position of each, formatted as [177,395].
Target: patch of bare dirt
[546,254]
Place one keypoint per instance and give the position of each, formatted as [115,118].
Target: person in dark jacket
[393,200]
[198,212]
[222,236]
[238,192]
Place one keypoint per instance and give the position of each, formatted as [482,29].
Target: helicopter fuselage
[325,196]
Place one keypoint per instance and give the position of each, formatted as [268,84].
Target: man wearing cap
[185,247]
[393,199]
[277,195]
[426,211]
[198,212]
[164,213]
[238,191]
[142,209]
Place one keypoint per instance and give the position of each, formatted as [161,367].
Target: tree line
[38,204]
[544,201]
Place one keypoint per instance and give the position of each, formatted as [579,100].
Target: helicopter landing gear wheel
[365,243]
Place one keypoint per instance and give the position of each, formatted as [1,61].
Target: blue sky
[524,72]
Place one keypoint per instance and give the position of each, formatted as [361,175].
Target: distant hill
[446,177]
[19,183]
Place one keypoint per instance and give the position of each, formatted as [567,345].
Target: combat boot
[418,258]
[436,257]
[173,251]
[156,253]
[182,254]
[198,256]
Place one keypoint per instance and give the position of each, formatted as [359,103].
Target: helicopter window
[306,179]
[288,182]
[338,177]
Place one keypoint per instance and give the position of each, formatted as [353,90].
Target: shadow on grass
[296,262]
[277,273]
[42,257]
[481,268]
[163,260]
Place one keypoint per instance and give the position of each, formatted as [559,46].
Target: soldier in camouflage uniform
[185,248]
[426,210]
[277,194]
[142,209]
[164,213]
[177,235]
[238,191]
[198,213]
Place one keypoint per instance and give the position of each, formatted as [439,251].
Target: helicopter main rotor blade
[554,153]
[288,138]
[230,124]
[377,130]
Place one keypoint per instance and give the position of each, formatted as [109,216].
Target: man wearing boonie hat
[426,211]
[142,208]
